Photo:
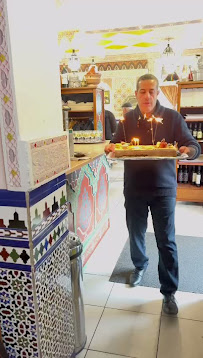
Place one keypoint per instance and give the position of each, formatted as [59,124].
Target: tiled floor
[127,322]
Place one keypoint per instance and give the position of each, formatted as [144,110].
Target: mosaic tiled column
[87,190]
[35,280]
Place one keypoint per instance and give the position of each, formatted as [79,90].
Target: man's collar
[155,112]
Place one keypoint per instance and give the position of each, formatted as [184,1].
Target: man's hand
[184,149]
[109,148]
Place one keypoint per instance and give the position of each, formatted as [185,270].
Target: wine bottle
[190,128]
[185,175]
[194,175]
[199,132]
[64,77]
[194,133]
[198,176]
[180,174]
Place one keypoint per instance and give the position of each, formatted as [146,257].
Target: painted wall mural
[88,199]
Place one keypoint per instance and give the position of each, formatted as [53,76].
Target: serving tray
[179,156]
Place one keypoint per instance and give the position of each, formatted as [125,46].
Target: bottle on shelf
[199,132]
[190,75]
[180,174]
[64,76]
[190,128]
[194,175]
[71,143]
[185,175]
[198,176]
[194,133]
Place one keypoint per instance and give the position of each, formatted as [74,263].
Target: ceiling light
[168,50]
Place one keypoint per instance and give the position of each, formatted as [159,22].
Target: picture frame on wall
[106,97]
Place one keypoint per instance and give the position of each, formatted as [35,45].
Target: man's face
[147,96]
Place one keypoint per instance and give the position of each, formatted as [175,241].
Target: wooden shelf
[69,90]
[191,110]
[190,84]
[198,161]
[81,111]
[93,95]
[188,192]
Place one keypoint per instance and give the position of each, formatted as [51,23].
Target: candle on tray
[135,141]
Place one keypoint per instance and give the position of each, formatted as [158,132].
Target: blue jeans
[163,212]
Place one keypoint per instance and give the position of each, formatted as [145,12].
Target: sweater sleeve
[184,138]
[119,135]
[113,123]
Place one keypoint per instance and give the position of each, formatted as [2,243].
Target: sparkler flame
[157,120]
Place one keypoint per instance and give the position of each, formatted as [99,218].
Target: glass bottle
[194,133]
[198,176]
[194,175]
[185,175]
[199,132]
[64,77]
[180,174]
[190,128]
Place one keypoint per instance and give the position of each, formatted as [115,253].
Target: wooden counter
[88,196]
[90,150]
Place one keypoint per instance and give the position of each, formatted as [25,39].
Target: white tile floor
[127,322]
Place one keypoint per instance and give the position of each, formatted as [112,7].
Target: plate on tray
[179,156]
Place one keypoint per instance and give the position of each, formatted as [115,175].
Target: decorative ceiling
[181,36]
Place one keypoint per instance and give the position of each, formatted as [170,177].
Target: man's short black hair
[126,104]
[147,76]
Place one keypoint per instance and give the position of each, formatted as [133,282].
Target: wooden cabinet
[89,105]
[189,104]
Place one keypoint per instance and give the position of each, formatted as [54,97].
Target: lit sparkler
[157,120]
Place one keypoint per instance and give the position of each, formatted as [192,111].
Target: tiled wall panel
[35,286]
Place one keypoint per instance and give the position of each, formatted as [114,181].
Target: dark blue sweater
[155,177]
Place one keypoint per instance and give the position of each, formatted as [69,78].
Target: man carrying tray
[152,184]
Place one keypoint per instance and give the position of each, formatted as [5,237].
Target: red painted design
[46,212]
[4,254]
[102,195]
[50,239]
[85,212]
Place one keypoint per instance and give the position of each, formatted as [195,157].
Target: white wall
[34,47]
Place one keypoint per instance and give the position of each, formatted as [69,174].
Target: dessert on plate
[160,149]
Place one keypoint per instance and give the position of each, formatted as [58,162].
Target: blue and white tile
[7,215]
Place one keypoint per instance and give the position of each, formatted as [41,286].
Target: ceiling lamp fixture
[168,50]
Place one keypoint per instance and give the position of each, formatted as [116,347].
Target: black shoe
[170,305]
[136,277]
